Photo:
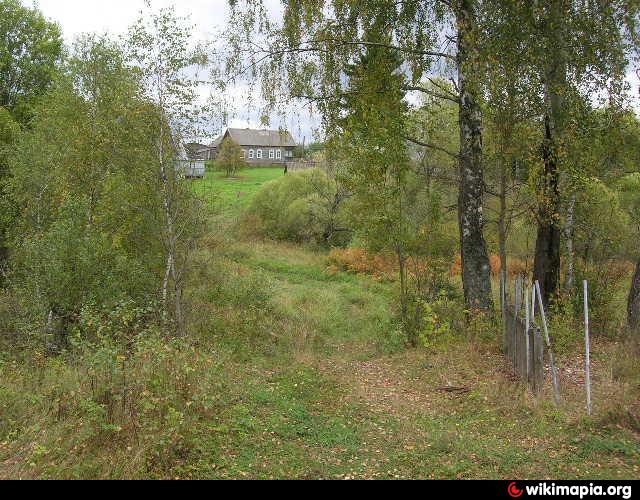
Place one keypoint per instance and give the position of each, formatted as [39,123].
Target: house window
[244,153]
[259,154]
[272,154]
[251,154]
[278,154]
[289,153]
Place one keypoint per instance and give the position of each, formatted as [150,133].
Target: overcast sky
[209,18]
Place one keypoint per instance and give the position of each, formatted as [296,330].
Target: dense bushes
[305,206]
[90,226]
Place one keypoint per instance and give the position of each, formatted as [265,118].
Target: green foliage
[601,230]
[565,327]
[311,150]
[9,131]
[435,329]
[301,206]
[86,233]
[67,265]
[31,48]
[608,282]
[394,207]
[229,159]
[629,189]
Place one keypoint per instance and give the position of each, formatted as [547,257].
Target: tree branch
[431,93]
[432,146]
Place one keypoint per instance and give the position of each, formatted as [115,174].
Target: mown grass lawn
[231,195]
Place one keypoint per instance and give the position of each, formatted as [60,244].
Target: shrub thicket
[304,206]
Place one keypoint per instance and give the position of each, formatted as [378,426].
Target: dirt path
[383,387]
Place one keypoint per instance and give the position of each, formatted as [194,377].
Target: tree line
[94,214]
[540,100]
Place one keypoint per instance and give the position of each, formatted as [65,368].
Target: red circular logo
[514,491]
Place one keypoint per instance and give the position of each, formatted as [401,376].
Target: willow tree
[306,57]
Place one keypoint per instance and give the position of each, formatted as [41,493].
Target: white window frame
[289,153]
[244,154]
[272,154]
[251,154]
[259,154]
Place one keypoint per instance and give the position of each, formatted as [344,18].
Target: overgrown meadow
[337,318]
[294,368]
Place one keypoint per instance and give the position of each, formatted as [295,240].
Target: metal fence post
[554,375]
[587,363]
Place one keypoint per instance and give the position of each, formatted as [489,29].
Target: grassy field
[292,371]
[231,195]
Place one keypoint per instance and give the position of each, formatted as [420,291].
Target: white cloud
[209,18]
[115,16]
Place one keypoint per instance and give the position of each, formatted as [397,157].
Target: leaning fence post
[587,367]
[518,305]
[503,309]
[554,375]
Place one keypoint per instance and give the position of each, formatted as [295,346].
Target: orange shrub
[515,266]
[456,267]
[496,265]
[358,260]
[518,266]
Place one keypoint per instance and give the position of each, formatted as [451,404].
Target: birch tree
[160,45]
[31,52]
[85,234]
[568,51]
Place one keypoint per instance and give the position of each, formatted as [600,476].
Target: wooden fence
[524,349]
[525,345]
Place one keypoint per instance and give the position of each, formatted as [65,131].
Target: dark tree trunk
[633,306]
[568,235]
[546,267]
[476,269]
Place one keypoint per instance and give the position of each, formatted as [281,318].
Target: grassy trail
[330,402]
[292,371]
[360,411]
[333,394]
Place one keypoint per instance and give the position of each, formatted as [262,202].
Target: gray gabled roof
[217,141]
[250,137]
